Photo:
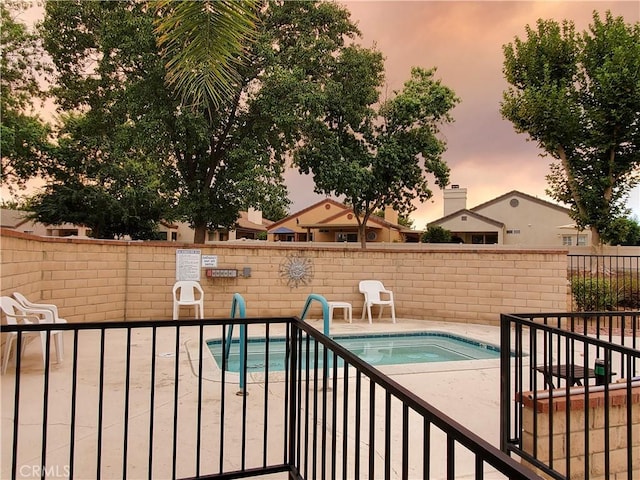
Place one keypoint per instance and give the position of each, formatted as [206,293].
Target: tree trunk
[595,238]
[362,233]
[200,233]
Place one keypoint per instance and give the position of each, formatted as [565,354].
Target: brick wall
[618,439]
[113,280]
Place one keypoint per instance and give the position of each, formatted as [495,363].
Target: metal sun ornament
[296,270]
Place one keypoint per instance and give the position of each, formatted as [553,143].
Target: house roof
[12,218]
[330,222]
[280,230]
[244,223]
[470,213]
[305,210]
[523,195]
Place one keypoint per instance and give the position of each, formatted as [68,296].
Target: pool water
[375,349]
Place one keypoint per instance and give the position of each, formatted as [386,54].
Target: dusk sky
[464,40]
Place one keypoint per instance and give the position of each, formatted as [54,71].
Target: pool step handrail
[239,307]
[325,310]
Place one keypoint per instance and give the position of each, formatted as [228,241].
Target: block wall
[569,440]
[112,280]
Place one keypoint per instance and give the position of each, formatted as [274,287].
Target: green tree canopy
[23,135]
[376,157]
[578,97]
[623,231]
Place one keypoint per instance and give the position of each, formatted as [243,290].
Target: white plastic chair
[189,293]
[47,313]
[374,291]
[15,313]
[39,306]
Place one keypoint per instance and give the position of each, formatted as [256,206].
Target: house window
[514,202]
[491,238]
[174,236]
[567,240]
[513,232]
[484,239]
[463,218]
[346,237]
[581,240]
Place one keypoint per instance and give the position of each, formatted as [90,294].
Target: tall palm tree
[201,41]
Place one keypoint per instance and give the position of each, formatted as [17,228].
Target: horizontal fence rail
[151,399]
[604,282]
[570,396]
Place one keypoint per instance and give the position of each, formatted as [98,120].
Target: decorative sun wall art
[296,270]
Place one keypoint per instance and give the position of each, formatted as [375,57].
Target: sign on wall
[188,265]
[209,261]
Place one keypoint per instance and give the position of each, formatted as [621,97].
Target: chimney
[390,215]
[455,198]
[254,216]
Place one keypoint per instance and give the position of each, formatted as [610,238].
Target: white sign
[209,261]
[188,265]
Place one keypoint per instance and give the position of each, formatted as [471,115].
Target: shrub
[629,291]
[594,294]
[436,234]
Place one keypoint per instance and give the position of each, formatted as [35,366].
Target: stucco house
[251,225]
[331,221]
[514,218]
[17,220]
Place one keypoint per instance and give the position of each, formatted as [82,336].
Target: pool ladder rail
[239,307]
[325,310]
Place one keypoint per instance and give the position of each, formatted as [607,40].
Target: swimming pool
[376,349]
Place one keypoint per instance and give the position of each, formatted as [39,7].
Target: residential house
[514,218]
[251,226]
[331,221]
[17,220]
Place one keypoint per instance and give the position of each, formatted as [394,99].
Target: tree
[403,220]
[23,135]
[578,97]
[376,158]
[110,188]
[222,159]
[107,170]
[623,231]
[436,234]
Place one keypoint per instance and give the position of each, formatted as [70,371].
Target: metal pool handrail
[238,305]
[325,310]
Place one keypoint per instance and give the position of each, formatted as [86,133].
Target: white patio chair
[47,313]
[188,293]
[374,291]
[15,313]
[39,306]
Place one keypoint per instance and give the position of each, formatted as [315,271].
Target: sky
[464,41]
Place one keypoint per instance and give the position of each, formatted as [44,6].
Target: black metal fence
[149,400]
[604,282]
[571,393]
